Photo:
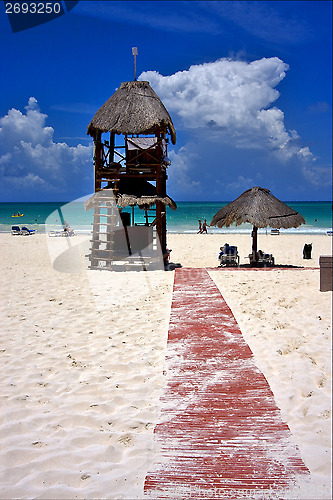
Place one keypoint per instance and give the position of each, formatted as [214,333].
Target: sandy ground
[83,356]
[201,250]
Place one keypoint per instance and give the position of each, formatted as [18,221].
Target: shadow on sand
[262,266]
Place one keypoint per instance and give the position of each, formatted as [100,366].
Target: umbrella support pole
[254,260]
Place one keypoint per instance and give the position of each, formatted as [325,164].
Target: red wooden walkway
[221,432]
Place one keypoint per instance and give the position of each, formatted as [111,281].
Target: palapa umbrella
[261,209]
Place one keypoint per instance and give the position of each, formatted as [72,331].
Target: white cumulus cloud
[232,100]
[318,176]
[180,180]
[29,156]
[28,127]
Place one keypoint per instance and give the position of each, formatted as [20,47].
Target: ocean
[317,214]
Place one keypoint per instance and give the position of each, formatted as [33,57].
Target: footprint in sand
[126,440]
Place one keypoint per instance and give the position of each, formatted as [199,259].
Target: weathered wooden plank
[220,428]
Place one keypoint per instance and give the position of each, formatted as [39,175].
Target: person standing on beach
[200,227]
[204,227]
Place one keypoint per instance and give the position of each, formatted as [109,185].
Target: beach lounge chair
[263,258]
[275,231]
[228,256]
[26,232]
[61,233]
[16,230]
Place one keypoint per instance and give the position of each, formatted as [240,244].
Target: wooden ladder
[105,219]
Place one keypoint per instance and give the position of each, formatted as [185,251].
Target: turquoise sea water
[318,216]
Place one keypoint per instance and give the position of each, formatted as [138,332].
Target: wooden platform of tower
[130,168]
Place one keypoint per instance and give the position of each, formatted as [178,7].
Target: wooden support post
[163,222]
[254,246]
[160,208]
[98,161]
[128,241]
[111,154]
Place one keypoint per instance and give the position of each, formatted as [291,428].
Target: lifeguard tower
[130,170]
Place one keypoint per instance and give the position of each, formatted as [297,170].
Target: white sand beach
[82,361]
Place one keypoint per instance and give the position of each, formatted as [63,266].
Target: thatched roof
[133,109]
[132,192]
[141,193]
[260,208]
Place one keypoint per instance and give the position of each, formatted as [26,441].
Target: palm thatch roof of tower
[131,192]
[142,193]
[133,109]
[260,208]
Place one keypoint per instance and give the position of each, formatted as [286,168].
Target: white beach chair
[27,232]
[16,230]
[64,233]
[263,258]
[229,256]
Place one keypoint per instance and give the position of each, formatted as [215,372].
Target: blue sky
[248,86]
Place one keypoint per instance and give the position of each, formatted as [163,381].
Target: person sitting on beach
[223,251]
[226,248]
[68,230]
[200,227]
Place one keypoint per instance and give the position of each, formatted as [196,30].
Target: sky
[248,85]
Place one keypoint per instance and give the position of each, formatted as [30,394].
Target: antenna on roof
[135,53]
